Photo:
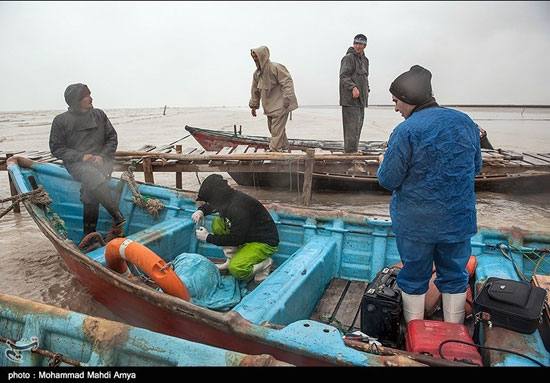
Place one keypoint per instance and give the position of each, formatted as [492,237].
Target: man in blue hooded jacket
[430,165]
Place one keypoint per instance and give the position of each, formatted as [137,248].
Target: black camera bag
[510,304]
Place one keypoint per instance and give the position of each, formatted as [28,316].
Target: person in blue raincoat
[430,165]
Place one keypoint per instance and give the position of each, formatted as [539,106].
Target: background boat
[503,170]
[36,334]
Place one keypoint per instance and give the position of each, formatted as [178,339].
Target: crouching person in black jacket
[245,230]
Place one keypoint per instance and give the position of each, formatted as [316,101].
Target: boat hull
[46,335]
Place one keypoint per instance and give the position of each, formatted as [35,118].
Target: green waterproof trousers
[248,255]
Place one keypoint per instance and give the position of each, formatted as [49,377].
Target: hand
[198,217]
[286,103]
[253,111]
[355,92]
[98,160]
[88,158]
[201,234]
[380,158]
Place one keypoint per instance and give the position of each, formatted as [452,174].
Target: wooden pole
[164,113]
[13,190]
[178,174]
[308,177]
[148,170]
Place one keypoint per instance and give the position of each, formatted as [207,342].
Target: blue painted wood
[94,341]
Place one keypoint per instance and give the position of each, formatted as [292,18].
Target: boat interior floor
[340,306]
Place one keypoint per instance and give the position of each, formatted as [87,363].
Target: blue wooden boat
[37,334]
[322,254]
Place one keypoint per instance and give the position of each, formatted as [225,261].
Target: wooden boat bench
[294,287]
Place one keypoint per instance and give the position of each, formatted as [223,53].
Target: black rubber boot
[89,217]
[103,195]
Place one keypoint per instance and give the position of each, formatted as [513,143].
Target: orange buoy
[471,265]
[120,250]
[471,268]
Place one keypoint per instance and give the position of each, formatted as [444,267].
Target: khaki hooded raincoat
[271,83]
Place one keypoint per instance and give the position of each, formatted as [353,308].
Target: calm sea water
[32,269]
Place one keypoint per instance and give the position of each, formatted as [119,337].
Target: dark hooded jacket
[354,72]
[249,220]
[74,133]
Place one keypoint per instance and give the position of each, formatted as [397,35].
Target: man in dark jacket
[85,140]
[244,229]
[354,92]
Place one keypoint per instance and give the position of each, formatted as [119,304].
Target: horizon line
[305,106]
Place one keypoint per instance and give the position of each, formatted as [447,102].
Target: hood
[351,50]
[263,55]
[215,191]
[72,96]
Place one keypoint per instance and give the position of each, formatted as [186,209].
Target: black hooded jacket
[74,133]
[250,221]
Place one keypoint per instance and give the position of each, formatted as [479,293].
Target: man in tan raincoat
[272,84]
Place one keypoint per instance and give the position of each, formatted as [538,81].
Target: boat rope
[87,243]
[508,257]
[534,253]
[339,325]
[486,348]
[152,205]
[39,197]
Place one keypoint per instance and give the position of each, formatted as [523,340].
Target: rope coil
[38,196]
[152,205]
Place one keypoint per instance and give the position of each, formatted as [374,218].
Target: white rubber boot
[229,252]
[413,306]
[454,307]
[260,271]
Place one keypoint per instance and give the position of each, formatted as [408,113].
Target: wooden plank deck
[496,162]
[340,304]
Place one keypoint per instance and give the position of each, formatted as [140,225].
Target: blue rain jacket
[430,165]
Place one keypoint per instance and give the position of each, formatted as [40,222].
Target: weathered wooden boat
[502,171]
[38,334]
[301,311]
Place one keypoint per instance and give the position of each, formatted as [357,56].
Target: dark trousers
[352,118]
[418,259]
[91,176]
[94,190]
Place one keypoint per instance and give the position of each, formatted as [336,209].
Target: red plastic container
[425,336]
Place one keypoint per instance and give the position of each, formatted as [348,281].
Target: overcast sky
[189,54]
